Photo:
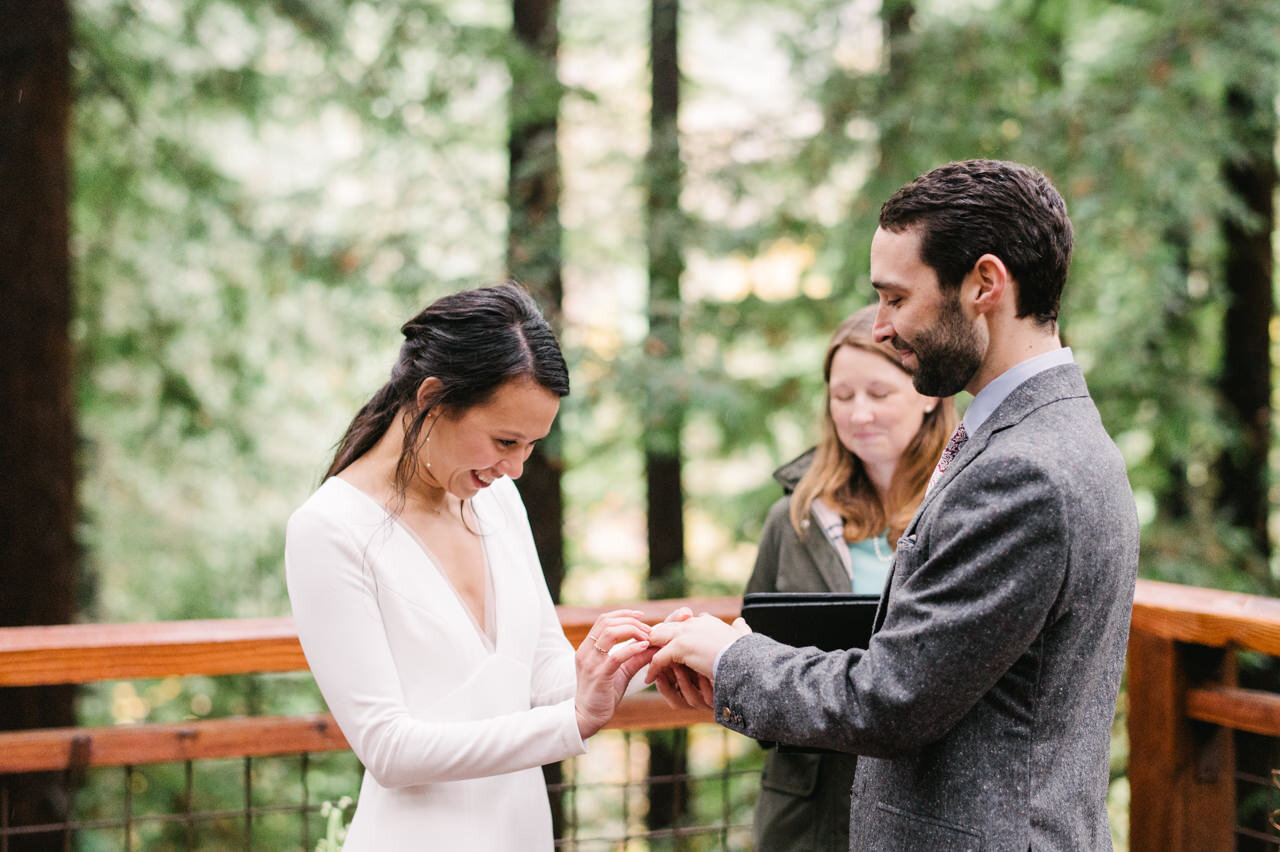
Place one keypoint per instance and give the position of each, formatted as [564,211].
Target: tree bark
[533,243]
[895,137]
[665,224]
[37,510]
[668,800]
[1245,381]
[533,258]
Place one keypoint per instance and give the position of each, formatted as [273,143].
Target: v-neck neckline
[487,640]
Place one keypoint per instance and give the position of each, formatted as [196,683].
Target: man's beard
[947,355]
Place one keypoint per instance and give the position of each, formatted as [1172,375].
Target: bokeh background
[258,193]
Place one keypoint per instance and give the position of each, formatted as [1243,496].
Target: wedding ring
[598,648]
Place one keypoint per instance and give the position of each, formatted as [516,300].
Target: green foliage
[252,184]
[256,183]
[1124,106]
[264,191]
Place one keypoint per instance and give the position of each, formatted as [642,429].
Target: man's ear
[428,392]
[992,281]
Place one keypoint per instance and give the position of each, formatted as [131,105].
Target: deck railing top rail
[83,653]
[1209,617]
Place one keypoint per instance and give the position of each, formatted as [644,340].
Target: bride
[419,600]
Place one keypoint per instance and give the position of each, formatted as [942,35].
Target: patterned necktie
[949,453]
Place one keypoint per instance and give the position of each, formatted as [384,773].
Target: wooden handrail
[1207,617]
[1249,710]
[84,653]
[56,749]
[134,745]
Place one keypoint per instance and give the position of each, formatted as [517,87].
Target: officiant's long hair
[838,476]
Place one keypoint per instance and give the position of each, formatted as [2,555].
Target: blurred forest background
[206,279]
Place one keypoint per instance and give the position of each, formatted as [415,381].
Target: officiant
[846,501]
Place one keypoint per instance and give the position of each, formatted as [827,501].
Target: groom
[983,705]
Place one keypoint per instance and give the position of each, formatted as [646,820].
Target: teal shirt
[870,569]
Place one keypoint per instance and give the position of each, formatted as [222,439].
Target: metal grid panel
[277,802]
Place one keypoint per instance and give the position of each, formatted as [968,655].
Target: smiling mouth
[480,478]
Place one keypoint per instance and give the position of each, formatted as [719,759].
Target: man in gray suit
[982,707]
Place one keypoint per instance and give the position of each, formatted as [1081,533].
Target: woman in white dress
[419,599]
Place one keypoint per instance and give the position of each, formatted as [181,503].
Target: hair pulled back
[472,342]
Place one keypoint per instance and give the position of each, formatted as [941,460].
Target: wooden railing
[84,653]
[1184,707]
[1184,702]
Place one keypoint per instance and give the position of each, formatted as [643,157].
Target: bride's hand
[605,662]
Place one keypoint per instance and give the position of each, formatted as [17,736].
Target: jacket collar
[825,532]
[789,474]
[1057,383]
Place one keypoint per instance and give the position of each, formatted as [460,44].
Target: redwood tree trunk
[1245,382]
[533,243]
[668,800]
[37,509]
[533,258]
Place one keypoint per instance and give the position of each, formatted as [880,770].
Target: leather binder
[832,621]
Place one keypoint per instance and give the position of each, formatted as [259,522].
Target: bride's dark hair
[472,342]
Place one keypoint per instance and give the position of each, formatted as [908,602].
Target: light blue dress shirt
[990,397]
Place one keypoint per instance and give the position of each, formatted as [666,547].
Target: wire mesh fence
[289,802]
[1257,788]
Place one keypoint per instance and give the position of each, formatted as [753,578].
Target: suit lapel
[1062,382]
[884,599]
[1056,383]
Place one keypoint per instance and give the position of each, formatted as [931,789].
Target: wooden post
[1181,787]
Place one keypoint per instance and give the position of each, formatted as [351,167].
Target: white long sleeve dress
[451,721]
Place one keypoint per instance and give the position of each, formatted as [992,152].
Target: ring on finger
[601,650]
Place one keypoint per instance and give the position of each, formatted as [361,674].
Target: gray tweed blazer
[983,705]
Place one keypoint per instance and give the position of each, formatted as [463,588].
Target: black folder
[832,621]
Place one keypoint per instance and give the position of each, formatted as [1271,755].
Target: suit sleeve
[339,624]
[976,593]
